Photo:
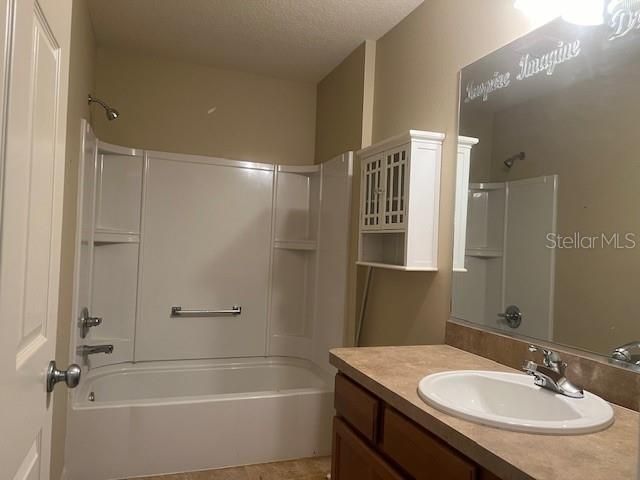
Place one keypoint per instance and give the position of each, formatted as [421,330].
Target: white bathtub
[167,417]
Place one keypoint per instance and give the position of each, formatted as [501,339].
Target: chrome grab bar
[177,311]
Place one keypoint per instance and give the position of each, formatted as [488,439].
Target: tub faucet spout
[85,350]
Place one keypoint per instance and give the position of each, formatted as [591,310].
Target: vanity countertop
[393,373]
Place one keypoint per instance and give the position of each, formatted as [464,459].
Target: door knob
[71,376]
[512,316]
[86,322]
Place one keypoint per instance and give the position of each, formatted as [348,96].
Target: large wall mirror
[553,209]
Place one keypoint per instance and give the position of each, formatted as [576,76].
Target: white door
[34,49]
[529,265]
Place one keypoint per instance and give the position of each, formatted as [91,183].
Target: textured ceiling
[296,39]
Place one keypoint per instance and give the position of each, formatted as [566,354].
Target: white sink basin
[512,402]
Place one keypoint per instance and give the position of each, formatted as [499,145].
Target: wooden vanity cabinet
[373,441]
[353,459]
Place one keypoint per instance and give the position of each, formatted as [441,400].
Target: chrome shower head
[511,160]
[111,113]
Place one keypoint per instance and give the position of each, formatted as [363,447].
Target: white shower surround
[156,414]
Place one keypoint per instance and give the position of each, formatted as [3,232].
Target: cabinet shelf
[484,253]
[487,186]
[402,268]
[304,245]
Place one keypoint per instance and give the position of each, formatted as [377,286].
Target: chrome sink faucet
[628,354]
[551,374]
[85,350]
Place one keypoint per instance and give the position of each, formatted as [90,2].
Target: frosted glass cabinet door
[395,174]
[372,192]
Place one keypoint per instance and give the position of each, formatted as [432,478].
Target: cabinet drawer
[421,454]
[352,459]
[357,406]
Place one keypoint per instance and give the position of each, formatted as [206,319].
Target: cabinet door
[396,171]
[353,460]
[371,192]
[421,454]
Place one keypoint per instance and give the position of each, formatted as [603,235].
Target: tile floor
[305,469]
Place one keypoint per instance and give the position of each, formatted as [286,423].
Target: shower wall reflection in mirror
[553,214]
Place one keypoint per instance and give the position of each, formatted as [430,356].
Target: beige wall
[164,104]
[339,108]
[81,82]
[416,86]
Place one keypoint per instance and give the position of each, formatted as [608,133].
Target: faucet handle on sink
[551,374]
[551,359]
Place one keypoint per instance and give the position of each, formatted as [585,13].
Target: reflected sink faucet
[551,374]
[628,355]
[85,350]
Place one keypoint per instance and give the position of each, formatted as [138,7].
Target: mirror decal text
[484,89]
[623,19]
[531,65]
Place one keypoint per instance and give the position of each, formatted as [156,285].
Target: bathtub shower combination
[221,286]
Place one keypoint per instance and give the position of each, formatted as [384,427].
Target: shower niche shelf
[295,259]
[113,236]
[302,245]
[399,202]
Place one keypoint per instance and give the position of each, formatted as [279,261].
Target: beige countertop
[393,373]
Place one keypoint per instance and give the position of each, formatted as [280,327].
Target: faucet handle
[551,359]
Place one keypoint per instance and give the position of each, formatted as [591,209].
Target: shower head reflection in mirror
[579,180]
[509,162]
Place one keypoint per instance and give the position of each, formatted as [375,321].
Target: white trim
[487,186]
[552,280]
[7,56]
[272,242]
[368,92]
[85,131]
[109,148]
[467,141]
[299,169]
[183,157]
[143,209]
[397,267]
[402,139]
[463,169]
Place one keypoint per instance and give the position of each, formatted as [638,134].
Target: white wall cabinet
[399,202]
